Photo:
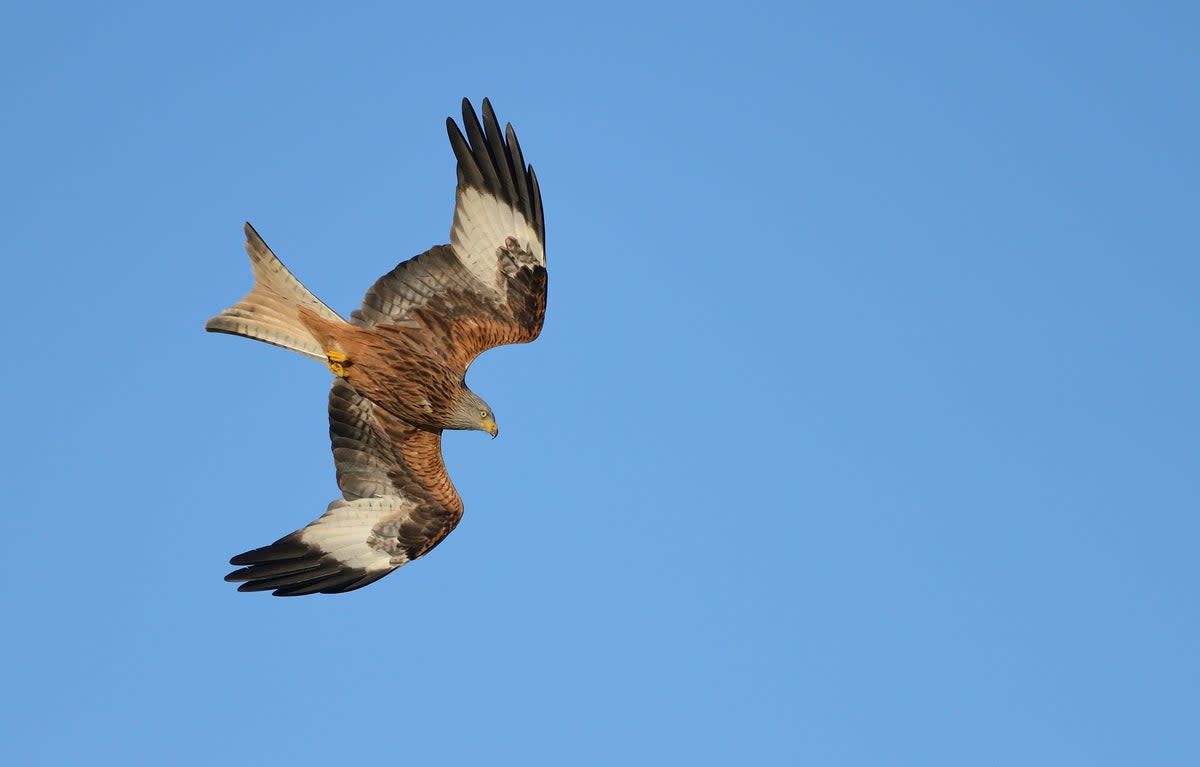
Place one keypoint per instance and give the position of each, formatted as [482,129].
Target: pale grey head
[471,412]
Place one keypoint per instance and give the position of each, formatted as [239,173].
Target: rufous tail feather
[271,311]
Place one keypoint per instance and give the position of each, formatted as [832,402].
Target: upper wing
[398,504]
[492,276]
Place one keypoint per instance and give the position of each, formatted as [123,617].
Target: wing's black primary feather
[501,156]
[498,158]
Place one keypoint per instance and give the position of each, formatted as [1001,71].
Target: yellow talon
[337,362]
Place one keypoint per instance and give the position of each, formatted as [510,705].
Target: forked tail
[271,312]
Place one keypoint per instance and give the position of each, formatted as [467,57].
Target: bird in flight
[400,366]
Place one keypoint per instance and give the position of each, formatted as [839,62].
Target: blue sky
[863,429]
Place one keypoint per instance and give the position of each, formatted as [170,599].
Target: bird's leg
[337,362]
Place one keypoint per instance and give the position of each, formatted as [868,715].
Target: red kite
[400,364]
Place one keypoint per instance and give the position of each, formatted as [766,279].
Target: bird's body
[401,361]
[396,367]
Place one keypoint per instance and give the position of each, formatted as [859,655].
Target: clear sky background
[863,429]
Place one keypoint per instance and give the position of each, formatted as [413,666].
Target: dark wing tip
[284,548]
[539,217]
[502,156]
[291,568]
[350,580]
[491,160]
[468,171]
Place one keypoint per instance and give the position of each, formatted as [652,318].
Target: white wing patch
[482,224]
[355,532]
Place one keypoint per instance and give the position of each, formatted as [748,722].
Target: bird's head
[473,413]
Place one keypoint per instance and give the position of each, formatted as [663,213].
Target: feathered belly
[403,379]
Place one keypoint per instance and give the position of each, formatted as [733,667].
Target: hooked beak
[491,428]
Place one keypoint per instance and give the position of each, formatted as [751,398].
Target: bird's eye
[483,414]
